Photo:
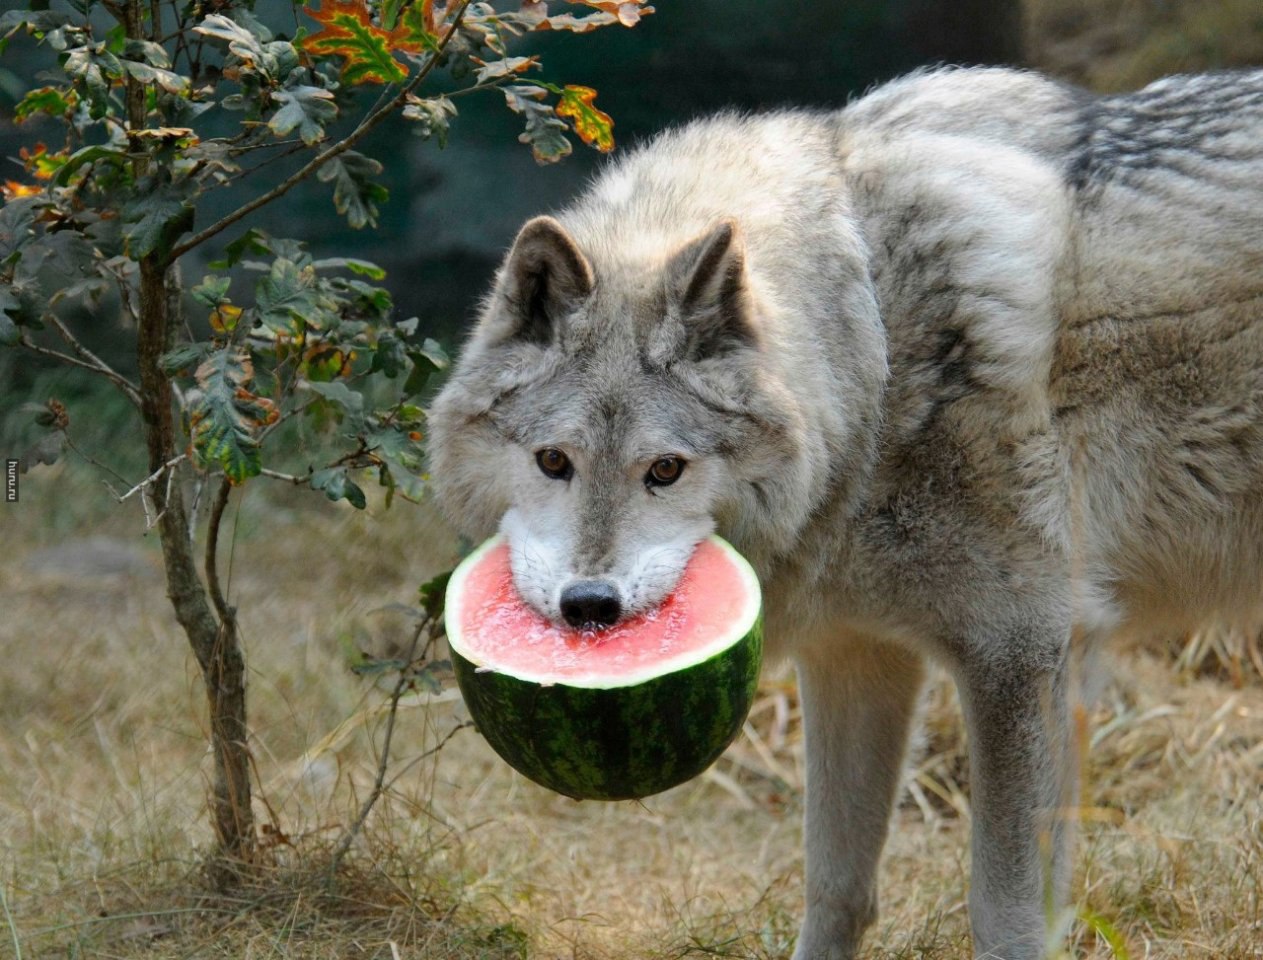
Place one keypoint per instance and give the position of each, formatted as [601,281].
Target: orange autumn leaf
[594,126]
[366,48]
[12,189]
[40,162]
[224,318]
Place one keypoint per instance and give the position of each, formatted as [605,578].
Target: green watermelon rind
[617,742]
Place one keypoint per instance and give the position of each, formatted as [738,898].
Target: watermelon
[616,713]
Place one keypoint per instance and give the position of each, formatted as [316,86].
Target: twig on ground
[432,626]
[13,927]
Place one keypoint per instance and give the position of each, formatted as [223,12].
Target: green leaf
[545,131]
[154,221]
[35,20]
[433,593]
[402,457]
[428,676]
[389,357]
[53,101]
[151,53]
[84,155]
[212,291]
[347,31]
[95,67]
[338,486]
[362,267]
[432,351]
[350,403]
[307,108]
[289,292]
[240,41]
[368,299]
[225,416]
[354,195]
[170,82]
[428,359]
[253,241]
[432,116]
[183,357]
[17,217]
[9,333]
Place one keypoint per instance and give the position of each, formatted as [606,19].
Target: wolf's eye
[664,472]
[554,463]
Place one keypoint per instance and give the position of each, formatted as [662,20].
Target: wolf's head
[609,413]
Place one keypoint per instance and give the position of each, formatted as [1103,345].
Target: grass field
[104,758]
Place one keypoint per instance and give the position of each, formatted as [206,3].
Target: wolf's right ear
[545,277]
[711,294]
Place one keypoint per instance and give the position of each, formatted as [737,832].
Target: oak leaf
[594,127]
[367,48]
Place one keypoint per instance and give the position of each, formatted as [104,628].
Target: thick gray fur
[971,370]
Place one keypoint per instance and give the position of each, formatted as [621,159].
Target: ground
[102,744]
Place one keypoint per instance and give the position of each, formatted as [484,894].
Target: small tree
[106,216]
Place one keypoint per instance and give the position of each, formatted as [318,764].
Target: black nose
[590,603]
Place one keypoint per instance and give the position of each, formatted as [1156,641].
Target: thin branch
[271,428]
[149,479]
[429,753]
[351,139]
[287,477]
[96,463]
[379,785]
[199,486]
[89,357]
[118,380]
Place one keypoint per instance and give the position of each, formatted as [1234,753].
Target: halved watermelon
[611,714]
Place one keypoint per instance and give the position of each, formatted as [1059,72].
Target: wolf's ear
[545,277]
[709,279]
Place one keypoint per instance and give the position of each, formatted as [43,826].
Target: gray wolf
[971,370]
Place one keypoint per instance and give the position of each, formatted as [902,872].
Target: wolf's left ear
[712,296]
[545,277]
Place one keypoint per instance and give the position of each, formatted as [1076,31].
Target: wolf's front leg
[858,705]
[1021,756]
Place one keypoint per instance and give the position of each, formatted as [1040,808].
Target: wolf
[971,370]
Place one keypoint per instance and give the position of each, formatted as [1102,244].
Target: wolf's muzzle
[590,603]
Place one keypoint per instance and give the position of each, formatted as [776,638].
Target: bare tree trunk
[214,640]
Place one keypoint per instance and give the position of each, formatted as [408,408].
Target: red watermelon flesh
[505,634]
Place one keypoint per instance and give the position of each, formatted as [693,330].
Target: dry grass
[102,746]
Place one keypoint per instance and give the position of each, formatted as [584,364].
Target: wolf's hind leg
[1022,776]
[859,700]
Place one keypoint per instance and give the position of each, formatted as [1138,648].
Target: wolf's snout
[590,603]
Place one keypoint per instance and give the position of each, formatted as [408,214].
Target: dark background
[453,211]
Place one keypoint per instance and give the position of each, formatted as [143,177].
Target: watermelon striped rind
[592,738]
